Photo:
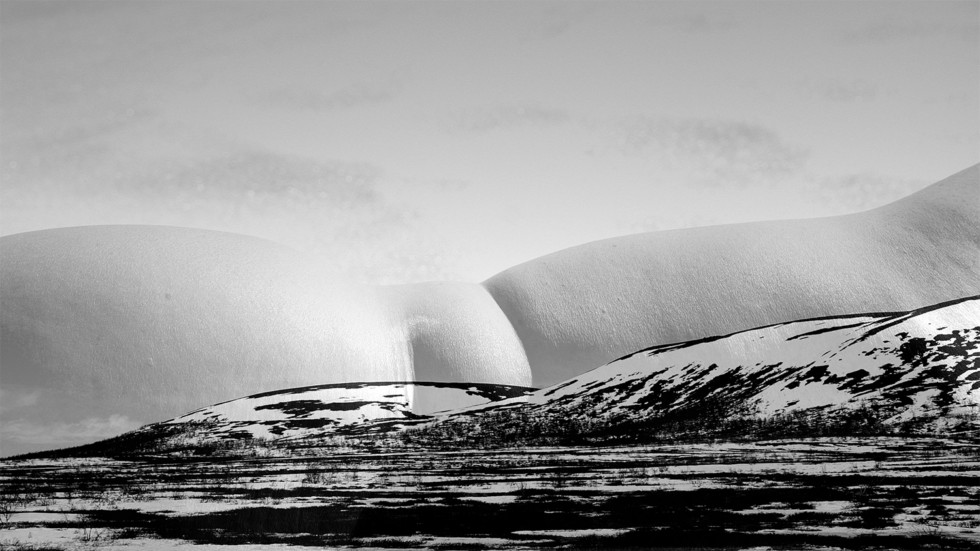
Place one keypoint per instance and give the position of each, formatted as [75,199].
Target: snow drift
[582,307]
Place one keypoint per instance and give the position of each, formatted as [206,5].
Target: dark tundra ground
[826,493]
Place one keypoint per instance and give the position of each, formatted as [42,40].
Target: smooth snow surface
[587,305]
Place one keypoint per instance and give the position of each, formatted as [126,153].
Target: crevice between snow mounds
[456,331]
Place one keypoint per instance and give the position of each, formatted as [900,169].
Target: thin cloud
[488,118]
[561,19]
[896,30]
[556,20]
[355,95]
[66,434]
[10,401]
[80,144]
[22,11]
[695,23]
[719,151]
[337,210]
[843,91]
[861,191]
[254,174]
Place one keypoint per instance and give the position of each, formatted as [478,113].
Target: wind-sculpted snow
[108,327]
[918,365]
[587,305]
[142,323]
[323,408]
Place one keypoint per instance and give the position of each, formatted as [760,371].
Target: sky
[413,141]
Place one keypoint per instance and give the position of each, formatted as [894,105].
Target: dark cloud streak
[843,91]
[862,191]
[254,175]
[490,118]
[695,23]
[354,95]
[724,152]
[896,30]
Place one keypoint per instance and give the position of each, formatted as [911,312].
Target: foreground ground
[830,493]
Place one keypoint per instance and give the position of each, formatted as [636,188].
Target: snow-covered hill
[326,408]
[923,364]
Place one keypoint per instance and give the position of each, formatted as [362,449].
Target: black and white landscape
[489,275]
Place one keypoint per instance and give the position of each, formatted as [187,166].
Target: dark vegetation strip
[670,538]
[705,518]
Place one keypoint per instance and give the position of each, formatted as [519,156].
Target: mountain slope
[321,410]
[922,365]
[325,408]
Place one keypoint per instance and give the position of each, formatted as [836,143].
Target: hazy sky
[435,140]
